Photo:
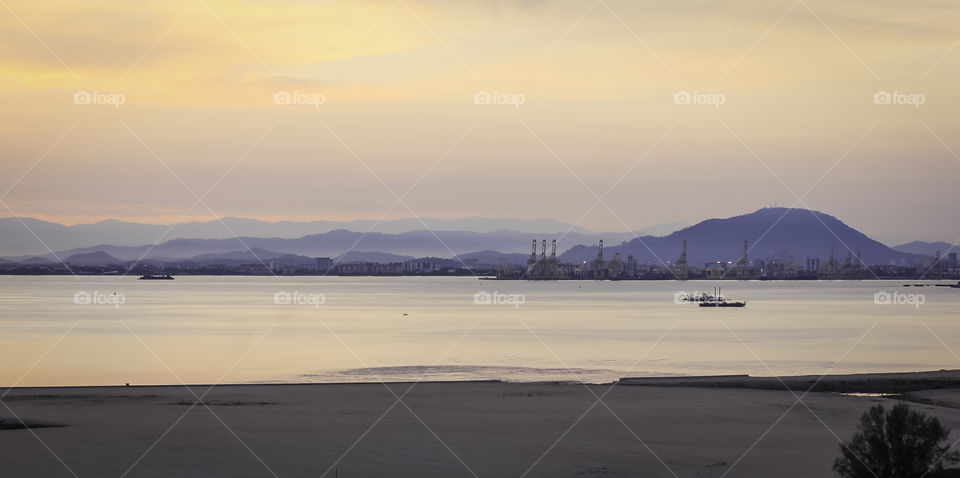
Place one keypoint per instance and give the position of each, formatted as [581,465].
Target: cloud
[399,86]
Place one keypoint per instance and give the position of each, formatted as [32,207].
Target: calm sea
[62,330]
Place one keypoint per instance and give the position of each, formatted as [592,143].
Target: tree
[901,443]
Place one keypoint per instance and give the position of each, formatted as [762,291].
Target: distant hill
[254,256]
[97,258]
[495,258]
[800,233]
[365,256]
[17,238]
[772,232]
[34,260]
[922,248]
[334,243]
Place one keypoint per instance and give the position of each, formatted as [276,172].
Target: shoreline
[487,276]
[873,382]
[440,429]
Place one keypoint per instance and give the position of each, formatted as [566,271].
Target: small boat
[724,303]
[719,300]
[156,277]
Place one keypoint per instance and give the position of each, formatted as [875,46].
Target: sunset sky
[398,79]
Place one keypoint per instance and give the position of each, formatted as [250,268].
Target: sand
[460,429]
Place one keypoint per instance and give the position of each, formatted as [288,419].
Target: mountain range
[926,248]
[331,244]
[20,235]
[776,233]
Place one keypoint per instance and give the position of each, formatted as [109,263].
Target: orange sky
[386,93]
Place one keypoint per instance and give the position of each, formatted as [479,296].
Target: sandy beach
[449,429]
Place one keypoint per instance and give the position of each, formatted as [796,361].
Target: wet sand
[450,429]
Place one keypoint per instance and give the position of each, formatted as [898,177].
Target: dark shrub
[901,443]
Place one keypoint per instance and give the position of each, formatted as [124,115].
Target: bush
[901,443]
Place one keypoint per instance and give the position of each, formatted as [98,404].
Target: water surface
[230,330]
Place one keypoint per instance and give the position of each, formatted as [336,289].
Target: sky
[610,114]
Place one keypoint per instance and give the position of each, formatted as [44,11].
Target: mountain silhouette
[772,233]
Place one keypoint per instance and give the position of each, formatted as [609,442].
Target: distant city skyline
[529,109]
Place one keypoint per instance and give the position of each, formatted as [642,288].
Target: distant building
[743,265]
[680,270]
[370,268]
[324,264]
[615,267]
[813,265]
[715,270]
[829,271]
[279,268]
[544,267]
[422,266]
